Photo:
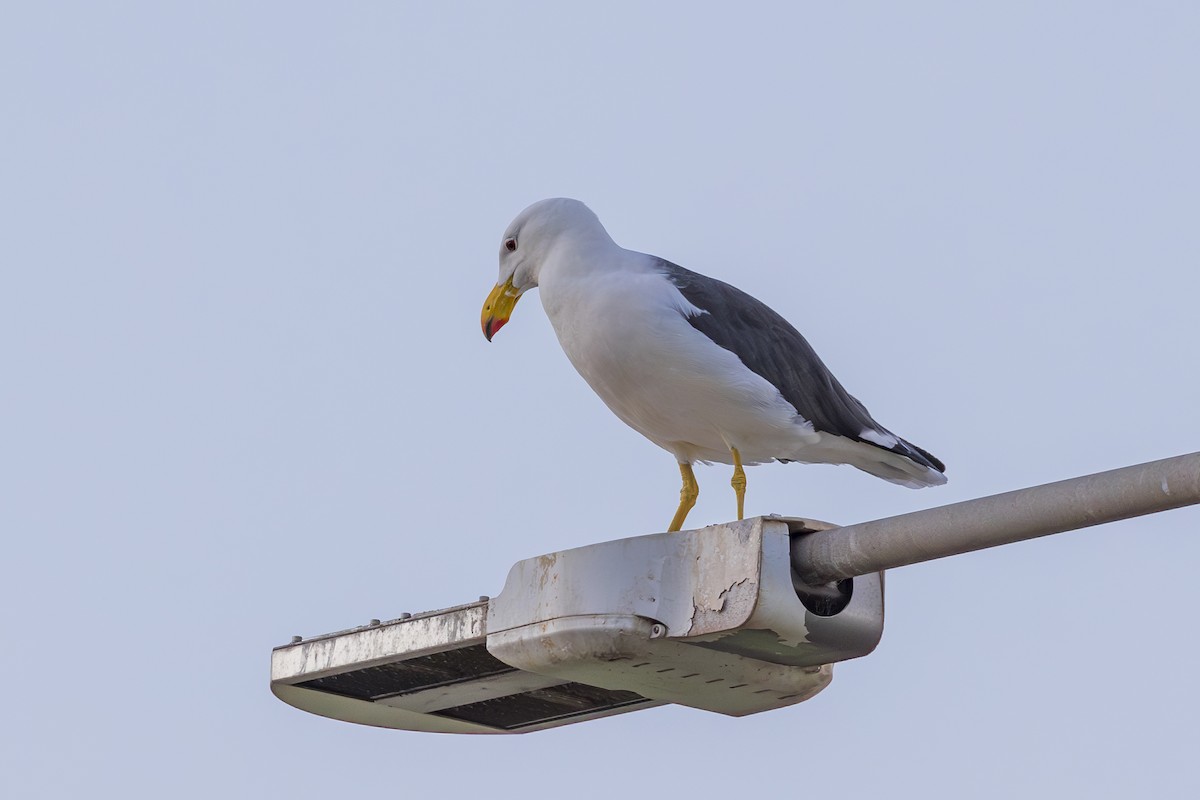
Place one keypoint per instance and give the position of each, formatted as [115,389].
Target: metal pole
[868,547]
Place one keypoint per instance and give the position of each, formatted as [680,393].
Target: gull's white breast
[625,330]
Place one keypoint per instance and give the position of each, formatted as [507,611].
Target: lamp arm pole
[867,547]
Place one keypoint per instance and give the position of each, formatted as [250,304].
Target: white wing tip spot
[881,438]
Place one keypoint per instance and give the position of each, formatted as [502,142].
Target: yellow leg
[738,482]
[687,496]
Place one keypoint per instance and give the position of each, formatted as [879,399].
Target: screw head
[405,615]
[297,639]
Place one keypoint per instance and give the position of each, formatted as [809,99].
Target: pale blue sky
[246,395]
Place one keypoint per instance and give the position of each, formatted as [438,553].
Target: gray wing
[769,345]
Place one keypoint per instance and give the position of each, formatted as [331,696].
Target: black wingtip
[930,459]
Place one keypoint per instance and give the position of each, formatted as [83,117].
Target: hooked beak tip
[491,326]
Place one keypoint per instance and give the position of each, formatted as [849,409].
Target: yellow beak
[499,307]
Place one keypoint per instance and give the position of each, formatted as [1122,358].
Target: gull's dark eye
[510,243]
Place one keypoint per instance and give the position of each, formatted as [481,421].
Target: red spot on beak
[491,326]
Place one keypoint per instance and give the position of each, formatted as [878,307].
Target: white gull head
[548,231]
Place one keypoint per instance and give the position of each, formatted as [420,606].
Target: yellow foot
[687,497]
[738,482]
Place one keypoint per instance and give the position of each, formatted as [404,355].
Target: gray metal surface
[706,618]
[882,544]
[707,586]
[621,652]
[369,645]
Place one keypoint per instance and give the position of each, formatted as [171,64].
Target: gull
[698,367]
